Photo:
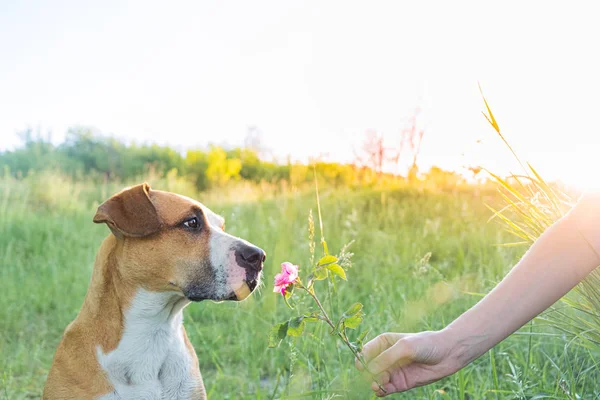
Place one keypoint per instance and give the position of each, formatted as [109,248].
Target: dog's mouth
[237,292]
[252,284]
[246,288]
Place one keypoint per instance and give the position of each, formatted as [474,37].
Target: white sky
[312,75]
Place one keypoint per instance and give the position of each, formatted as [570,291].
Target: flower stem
[316,299]
[341,335]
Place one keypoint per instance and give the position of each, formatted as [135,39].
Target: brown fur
[146,250]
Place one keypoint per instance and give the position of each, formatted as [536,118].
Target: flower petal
[290,270]
[281,279]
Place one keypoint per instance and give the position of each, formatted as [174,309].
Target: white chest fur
[151,360]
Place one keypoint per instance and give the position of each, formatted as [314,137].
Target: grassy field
[48,243]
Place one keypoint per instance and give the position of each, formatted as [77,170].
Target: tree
[411,136]
[220,169]
[374,154]
[35,153]
[254,141]
[253,168]
[196,162]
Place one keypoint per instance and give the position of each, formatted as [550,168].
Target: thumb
[401,353]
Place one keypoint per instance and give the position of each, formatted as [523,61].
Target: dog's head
[171,242]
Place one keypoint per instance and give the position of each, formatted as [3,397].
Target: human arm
[555,263]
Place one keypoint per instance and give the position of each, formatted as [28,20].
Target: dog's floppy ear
[130,213]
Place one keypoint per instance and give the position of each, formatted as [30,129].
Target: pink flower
[288,275]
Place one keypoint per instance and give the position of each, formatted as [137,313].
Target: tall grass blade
[496,127]
[529,209]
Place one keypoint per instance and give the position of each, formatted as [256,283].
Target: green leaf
[339,271]
[362,336]
[348,319]
[354,321]
[353,310]
[320,274]
[327,260]
[296,326]
[361,340]
[277,334]
[311,318]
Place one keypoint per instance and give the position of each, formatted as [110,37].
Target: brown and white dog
[128,340]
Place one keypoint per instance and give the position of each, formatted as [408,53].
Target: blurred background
[241,105]
[301,80]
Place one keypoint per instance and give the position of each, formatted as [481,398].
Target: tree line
[87,153]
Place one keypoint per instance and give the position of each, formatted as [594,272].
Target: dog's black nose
[251,257]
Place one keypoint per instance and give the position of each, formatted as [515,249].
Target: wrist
[464,346]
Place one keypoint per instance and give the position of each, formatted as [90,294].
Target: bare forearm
[557,262]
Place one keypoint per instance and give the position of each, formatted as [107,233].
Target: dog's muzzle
[251,258]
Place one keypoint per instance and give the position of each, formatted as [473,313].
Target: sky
[312,76]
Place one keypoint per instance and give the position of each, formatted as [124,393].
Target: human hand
[405,361]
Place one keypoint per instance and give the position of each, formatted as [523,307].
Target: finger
[381,343]
[375,387]
[374,347]
[389,389]
[383,378]
[398,355]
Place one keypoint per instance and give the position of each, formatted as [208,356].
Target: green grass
[48,244]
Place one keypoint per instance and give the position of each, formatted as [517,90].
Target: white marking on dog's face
[151,360]
[231,279]
[211,264]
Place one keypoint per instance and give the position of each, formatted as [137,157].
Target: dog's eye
[192,223]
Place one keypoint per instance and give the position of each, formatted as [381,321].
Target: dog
[128,340]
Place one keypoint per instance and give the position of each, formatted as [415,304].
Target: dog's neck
[151,356]
[119,304]
[140,341]
[156,310]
